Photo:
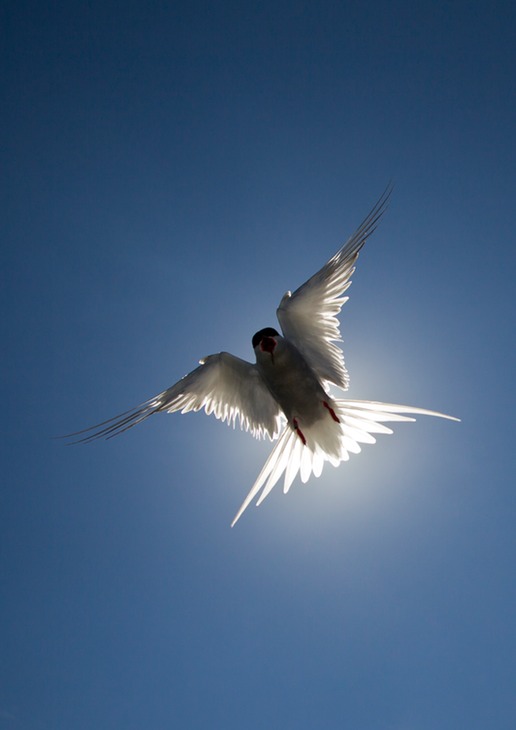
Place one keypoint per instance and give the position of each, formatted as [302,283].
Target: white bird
[285,394]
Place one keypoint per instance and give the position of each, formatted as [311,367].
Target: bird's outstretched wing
[308,317]
[230,388]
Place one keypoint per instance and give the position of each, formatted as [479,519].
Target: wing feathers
[224,385]
[308,317]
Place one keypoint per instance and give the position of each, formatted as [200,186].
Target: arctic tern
[286,395]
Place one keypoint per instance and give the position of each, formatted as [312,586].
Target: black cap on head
[266,332]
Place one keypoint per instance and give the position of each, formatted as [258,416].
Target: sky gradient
[169,170]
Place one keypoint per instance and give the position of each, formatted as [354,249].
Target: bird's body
[285,394]
[291,381]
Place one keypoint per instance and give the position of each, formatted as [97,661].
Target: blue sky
[168,171]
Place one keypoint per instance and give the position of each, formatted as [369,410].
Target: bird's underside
[285,394]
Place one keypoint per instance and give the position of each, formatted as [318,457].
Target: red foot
[332,412]
[299,432]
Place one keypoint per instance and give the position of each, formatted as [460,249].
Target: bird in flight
[285,394]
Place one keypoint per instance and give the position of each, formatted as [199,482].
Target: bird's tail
[326,440]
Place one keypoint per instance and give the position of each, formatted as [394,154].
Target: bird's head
[266,340]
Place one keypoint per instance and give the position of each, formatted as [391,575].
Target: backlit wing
[308,317]
[230,388]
